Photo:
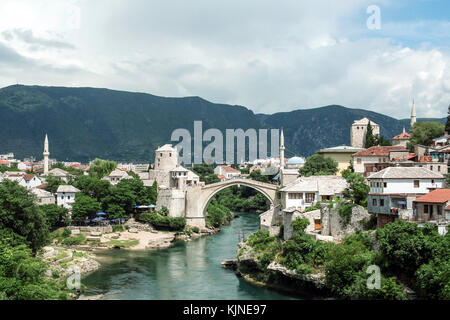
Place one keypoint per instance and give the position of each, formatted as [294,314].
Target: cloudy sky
[269,56]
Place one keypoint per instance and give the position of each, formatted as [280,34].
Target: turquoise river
[187,270]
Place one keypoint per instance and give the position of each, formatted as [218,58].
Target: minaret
[282,149]
[46,154]
[413,114]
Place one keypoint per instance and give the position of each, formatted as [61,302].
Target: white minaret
[413,114]
[282,149]
[46,154]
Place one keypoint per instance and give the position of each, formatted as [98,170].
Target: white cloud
[267,55]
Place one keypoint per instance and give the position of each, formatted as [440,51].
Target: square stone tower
[358,132]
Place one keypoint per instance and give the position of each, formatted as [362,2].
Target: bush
[73,241]
[196,229]
[159,221]
[117,228]
[66,233]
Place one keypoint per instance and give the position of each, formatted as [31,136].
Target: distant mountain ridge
[84,123]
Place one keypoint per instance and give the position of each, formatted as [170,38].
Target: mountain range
[85,123]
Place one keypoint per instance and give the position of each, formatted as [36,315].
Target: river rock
[133,230]
[75,232]
[96,233]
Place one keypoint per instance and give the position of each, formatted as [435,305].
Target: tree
[257,176]
[56,216]
[370,138]
[357,189]
[93,187]
[206,173]
[382,141]
[52,183]
[424,132]
[83,207]
[319,165]
[20,215]
[101,168]
[22,275]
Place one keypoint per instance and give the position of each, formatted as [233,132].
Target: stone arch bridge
[197,199]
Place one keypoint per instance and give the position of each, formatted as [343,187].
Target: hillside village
[403,184]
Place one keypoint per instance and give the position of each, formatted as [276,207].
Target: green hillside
[84,123]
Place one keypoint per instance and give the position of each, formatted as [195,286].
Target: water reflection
[188,270]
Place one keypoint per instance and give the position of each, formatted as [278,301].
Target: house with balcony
[376,158]
[394,189]
[434,207]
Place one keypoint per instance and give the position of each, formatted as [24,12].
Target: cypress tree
[370,139]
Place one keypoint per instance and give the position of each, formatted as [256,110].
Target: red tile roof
[403,135]
[28,177]
[435,196]
[3,162]
[229,169]
[411,156]
[378,151]
[426,159]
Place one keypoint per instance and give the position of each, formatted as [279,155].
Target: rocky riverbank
[278,277]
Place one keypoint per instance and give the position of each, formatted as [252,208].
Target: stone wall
[333,224]
[288,217]
[172,199]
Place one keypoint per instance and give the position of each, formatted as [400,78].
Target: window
[385,184]
[292,195]
[160,154]
[425,208]
[381,202]
[416,183]
[439,210]
[374,202]
[431,168]
[309,197]
[170,154]
[439,168]
[358,160]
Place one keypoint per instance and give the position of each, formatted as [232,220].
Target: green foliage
[117,228]
[20,215]
[370,138]
[405,246]
[66,233]
[93,187]
[217,215]
[55,216]
[22,276]
[206,173]
[357,190]
[74,241]
[299,225]
[243,199]
[424,132]
[318,165]
[257,176]
[260,240]
[195,229]
[100,168]
[447,123]
[84,207]
[159,221]
[345,211]
[52,183]
[382,141]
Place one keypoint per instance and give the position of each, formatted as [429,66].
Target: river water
[187,270]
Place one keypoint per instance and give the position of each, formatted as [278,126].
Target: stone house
[65,196]
[43,197]
[401,139]
[30,181]
[116,176]
[366,160]
[393,190]
[227,171]
[358,132]
[60,173]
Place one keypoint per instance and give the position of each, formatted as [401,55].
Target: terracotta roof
[426,159]
[447,207]
[221,176]
[378,151]
[435,196]
[403,135]
[3,162]
[229,169]
[411,156]
[28,177]
[42,186]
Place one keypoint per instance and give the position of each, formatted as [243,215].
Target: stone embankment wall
[335,225]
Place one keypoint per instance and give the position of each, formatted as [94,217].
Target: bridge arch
[198,198]
[211,195]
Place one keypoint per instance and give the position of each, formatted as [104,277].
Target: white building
[227,172]
[393,190]
[65,196]
[366,160]
[307,191]
[30,181]
[358,132]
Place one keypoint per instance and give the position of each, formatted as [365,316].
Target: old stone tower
[358,132]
